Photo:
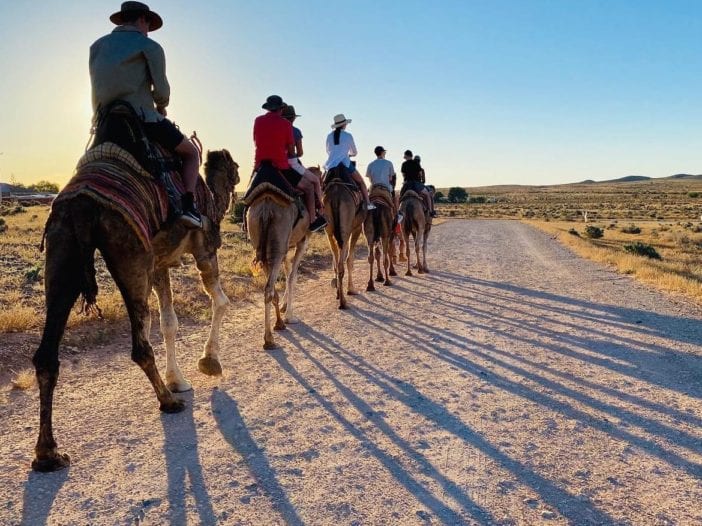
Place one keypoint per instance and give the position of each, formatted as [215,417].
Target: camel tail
[262,256]
[336,221]
[375,214]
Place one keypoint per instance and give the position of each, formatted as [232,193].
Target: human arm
[353,152]
[161,90]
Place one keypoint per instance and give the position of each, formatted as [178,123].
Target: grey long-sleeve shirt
[129,66]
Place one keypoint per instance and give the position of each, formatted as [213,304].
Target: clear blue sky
[488,92]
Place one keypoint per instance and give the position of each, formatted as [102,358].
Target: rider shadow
[182,460]
[233,428]
[40,491]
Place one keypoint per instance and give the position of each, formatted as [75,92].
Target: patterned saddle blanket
[269,179]
[113,177]
[380,195]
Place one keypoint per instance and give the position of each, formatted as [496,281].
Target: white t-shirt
[339,153]
[381,171]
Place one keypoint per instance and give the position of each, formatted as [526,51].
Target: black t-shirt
[411,171]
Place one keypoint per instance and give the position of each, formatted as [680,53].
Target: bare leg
[307,187]
[175,381]
[191,164]
[209,274]
[362,185]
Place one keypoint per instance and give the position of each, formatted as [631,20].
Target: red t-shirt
[272,134]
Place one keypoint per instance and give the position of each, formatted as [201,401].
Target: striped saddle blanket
[112,176]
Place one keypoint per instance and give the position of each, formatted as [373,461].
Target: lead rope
[198,145]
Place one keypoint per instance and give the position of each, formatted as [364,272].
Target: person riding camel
[295,163]
[274,141]
[423,178]
[381,172]
[127,65]
[341,147]
[412,174]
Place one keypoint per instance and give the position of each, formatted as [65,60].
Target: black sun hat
[155,21]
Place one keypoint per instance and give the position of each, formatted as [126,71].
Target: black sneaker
[318,224]
[191,219]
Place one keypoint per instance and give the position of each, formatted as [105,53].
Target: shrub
[574,232]
[693,194]
[593,232]
[642,249]
[631,229]
[3,225]
[237,215]
[33,275]
[457,194]
[478,199]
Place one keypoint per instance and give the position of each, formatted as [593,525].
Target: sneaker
[318,224]
[370,206]
[191,218]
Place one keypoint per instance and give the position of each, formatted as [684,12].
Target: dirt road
[515,384]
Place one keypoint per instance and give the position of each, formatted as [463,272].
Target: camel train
[114,205]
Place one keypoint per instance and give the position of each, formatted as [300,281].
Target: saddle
[119,124]
[268,178]
[380,195]
[338,176]
[411,194]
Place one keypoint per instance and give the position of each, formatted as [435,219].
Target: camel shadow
[40,491]
[182,461]
[233,427]
[572,507]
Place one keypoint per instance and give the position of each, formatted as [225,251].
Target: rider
[423,178]
[340,147]
[294,161]
[127,65]
[273,137]
[382,172]
[412,174]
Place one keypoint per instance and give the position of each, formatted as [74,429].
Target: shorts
[164,133]
[292,176]
[296,165]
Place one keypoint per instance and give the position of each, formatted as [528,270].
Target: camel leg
[291,280]
[424,252]
[370,287]
[279,323]
[209,274]
[379,277]
[269,296]
[392,254]
[286,271]
[335,258]
[340,276]
[418,240]
[350,255]
[62,289]
[404,253]
[175,381]
[135,288]
[406,237]
[387,262]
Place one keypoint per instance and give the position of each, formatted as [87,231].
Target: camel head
[222,176]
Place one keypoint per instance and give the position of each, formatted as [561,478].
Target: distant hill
[626,179]
[686,177]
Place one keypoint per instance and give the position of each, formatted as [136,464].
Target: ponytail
[337,134]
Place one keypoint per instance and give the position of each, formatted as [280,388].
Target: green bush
[693,194]
[631,229]
[574,232]
[642,249]
[3,225]
[593,232]
[237,215]
[33,275]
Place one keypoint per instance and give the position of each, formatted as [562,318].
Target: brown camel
[378,229]
[277,224]
[416,223]
[346,213]
[81,223]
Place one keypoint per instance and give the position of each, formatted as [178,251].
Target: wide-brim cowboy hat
[340,120]
[289,111]
[273,103]
[155,21]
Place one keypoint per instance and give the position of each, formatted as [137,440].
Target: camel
[82,222]
[416,223]
[346,213]
[276,224]
[378,229]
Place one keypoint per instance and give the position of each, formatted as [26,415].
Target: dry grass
[679,243]
[21,279]
[24,380]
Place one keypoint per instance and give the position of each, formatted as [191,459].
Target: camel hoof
[209,366]
[179,387]
[333,283]
[352,292]
[426,270]
[270,346]
[370,287]
[379,279]
[343,306]
[173,406]
[392,272]
[292,320]
[420,271]
[279,326]
[54,462]
[408,273]
[387,283]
